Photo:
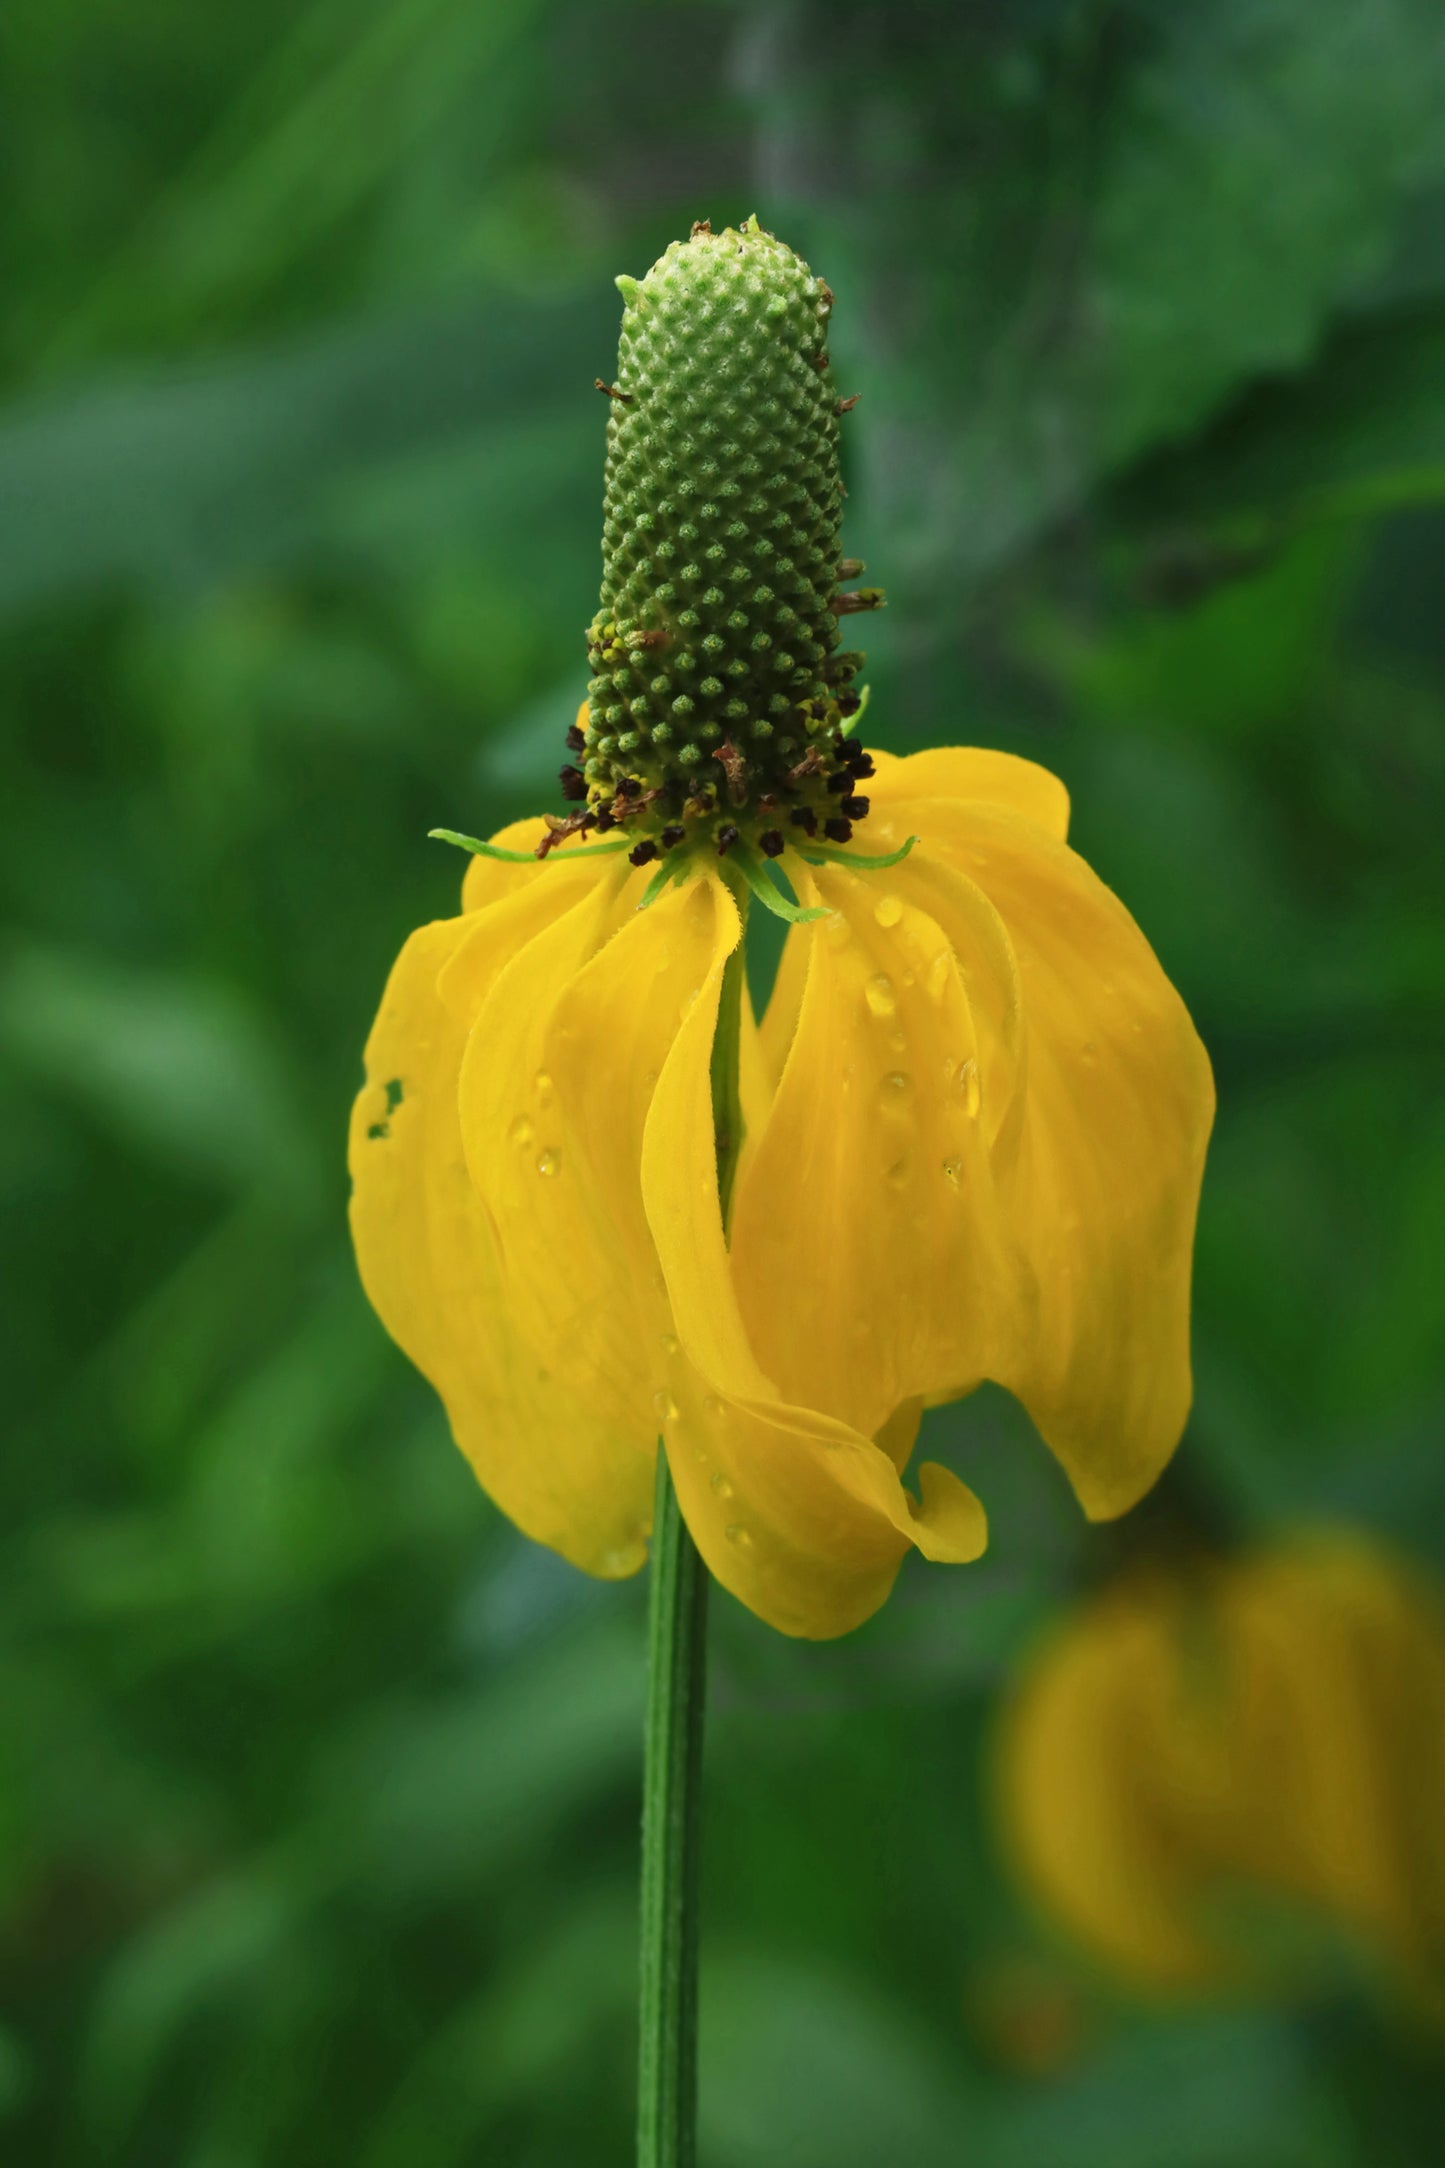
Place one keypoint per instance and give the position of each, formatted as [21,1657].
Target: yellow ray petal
[560,1068]
[871,1262]
[429,1263]
[486,879]
[1103,1189]
[1088,1780]
[803,1518]
[906,793]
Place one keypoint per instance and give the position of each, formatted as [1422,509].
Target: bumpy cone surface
[718,694]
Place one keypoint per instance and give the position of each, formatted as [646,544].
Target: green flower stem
[671,1802]
[676,1698]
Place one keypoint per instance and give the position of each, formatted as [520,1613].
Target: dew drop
[879,995]
[968,1087]
[720,1484]
[888,910]
[549,1160]
[953,1172]
[742,1537]
[896,1086]
[669,1343]
[521,1131]
[664,1407]
[544,1088]
[940,971]
[713,1407]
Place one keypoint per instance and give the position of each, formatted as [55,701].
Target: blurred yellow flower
[975,1120]
[1194,1763]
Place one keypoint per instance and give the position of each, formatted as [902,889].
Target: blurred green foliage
[318,1788]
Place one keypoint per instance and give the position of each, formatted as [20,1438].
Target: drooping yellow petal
[429,1263]
[1335,1657]
[907,793]
[1192,1764]
[1087,1774]
[800,1515]
[871,1261]
[541,1160]
[1099,1185]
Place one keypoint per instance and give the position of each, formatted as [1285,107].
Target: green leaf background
[318,1787]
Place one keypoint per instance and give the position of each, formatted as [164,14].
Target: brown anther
[767,800]
[727,836]
[849,568]
[576,740]
[642,854]
[602,822]
[771,841]
[572,780]
[812,763]
[558,831]
[840,782]
[653,638]
[672,835]
[838,830]
[629,787]
[700,225]
[612,391]
[827,293]
[803,816]
[735,768]
[846,406]
[855,756]
[855,807]
[821,362]
[861,598]
[849,702]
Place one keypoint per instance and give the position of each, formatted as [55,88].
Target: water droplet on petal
[664,1407]
[549,1160]
[713,1407]
[940,971]
[521,1131]
[740,1536]
[669,1343]
[720,1484]
[968,1087]
[544,1088]
[896,1087]
[879,995]
[888,910]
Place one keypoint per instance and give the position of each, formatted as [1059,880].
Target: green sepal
[667,875]
[820,855]
[769,895]
[517,858]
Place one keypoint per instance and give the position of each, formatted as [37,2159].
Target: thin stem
[676,1697]
[671,1800]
